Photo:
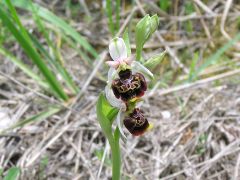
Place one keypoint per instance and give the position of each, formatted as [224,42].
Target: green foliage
[105,115]
[144,29]
[12,173]
[201,144]
[113,6]
[38,117]
[109,14]
[24,40]
[154,61]
[193,66]
[58,22]
[1,171]
[165,5]
[216,56]
[127,41]
[189,8]
[43,165]
[103,109]
[99,153]
[25,68]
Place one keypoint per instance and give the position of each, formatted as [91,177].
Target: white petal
[138,67]
[120,117]
[112,99]
[111,75]
[118,49]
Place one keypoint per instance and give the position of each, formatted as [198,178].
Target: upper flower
[128,85]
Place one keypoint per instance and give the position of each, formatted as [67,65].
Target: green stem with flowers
[106,115]
[114,104]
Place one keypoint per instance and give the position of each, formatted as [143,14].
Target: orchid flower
[126,81]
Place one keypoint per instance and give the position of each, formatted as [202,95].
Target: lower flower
[136,123]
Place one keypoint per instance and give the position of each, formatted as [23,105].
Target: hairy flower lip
[136,123]
[129,86]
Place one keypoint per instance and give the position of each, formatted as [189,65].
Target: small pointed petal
[138,67]
[120,117]
[118,49]
[129,60]
[113,64]
[112,99]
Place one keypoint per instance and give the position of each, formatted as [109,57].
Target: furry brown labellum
[128,85]
[136,123]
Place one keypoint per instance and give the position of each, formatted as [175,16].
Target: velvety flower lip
[136,123]
[129,85]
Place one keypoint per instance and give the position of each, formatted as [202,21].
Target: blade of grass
[39,117]
[24,67]
[110,19]
[164,5]
[58,22]
[34,56]
[77,49]
[56,64]
[118,3]
[17,20]
[193,66]
[127,41]
[215,57]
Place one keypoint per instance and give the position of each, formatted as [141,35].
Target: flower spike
[125,86]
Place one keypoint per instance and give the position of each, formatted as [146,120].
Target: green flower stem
[116,156]
[106,114]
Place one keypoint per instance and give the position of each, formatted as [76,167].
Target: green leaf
[109,14]
[58,22]
[154,61]
[103,108]
[127,41]
[144,29]
[57,65]
[118,7]
[193,66]
[33,55]
[215,57]
[99,154]
[43,164]
[154,22]
[38,117]
[164,4]
[12,173]
[142,32]
[19,63]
